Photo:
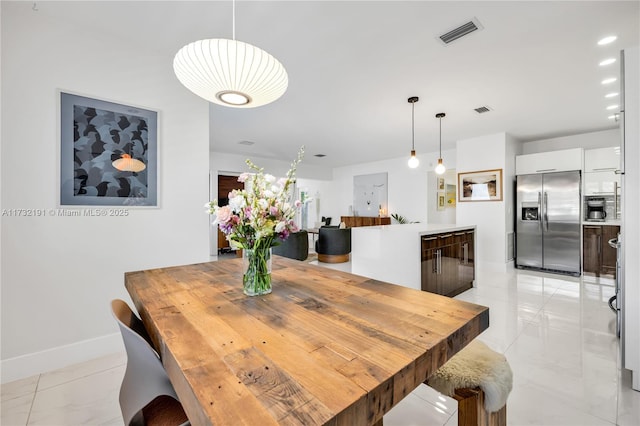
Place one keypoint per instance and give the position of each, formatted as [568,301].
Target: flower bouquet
[257,218]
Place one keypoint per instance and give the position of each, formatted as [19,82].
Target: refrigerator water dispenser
[529,213]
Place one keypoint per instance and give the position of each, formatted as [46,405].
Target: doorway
[226,184]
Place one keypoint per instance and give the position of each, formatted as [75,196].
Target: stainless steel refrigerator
[548,222]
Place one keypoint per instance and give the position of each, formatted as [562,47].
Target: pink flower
[243,177]
[224,214]
[298,203]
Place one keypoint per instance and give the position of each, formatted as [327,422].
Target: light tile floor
[557,333]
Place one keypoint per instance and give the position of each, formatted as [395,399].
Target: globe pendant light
[413,160]
[229,72]
[440,168]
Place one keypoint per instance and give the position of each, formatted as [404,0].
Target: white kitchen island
[393,253]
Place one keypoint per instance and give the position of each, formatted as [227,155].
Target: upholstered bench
[480,379]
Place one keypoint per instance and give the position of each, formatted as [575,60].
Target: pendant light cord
[440,137]
[413,130]
[233,16]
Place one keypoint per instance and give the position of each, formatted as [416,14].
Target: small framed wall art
[483,185]
[108,153]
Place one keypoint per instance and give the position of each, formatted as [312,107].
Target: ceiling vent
[461,31]
[482,109]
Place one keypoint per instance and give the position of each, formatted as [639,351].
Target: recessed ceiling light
[611,95]
[607,40]
[612,107]
[607,62]
[609,80]
[612,117]
[248,143]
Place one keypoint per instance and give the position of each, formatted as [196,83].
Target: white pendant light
[413,160]
[440,168]
[229,72]
[128,164]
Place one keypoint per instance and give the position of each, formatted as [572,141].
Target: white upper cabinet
[549,162]
[602,159]
[601,183]
[600,166]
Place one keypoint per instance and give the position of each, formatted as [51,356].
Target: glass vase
[256,264]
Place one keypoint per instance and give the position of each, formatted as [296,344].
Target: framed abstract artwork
[108,153]
[370,195]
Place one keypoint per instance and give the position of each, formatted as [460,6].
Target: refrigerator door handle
[540,210]
[546,210]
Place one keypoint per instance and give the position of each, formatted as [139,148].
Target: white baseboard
[34,363]
[484,265]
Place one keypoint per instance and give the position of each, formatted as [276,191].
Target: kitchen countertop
[606,223]
[415,228]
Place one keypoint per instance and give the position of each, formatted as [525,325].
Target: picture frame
[370,194]
[440,184]
[441,201]
[450,196]
[482,185]
[94,133]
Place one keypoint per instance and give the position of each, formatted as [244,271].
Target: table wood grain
[325,347]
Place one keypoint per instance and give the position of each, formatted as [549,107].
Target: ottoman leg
[471,411]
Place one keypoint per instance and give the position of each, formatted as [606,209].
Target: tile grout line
[33,399]
[98,371]
[530,322]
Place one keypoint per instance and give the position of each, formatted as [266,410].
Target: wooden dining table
[325,347]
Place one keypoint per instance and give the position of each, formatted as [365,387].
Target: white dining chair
[146,394]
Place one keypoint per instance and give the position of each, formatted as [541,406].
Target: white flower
[264,204]
[269,194]
[280,226]
[269,178]
[237,203]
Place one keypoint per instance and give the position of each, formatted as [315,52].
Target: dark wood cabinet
[466,255]
[598,257]
[609,253]
[447,262]
[354,221]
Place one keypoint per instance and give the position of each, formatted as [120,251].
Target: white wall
[448,214]
[408,191]
[59,273]
[486,153]
[512,148]
[585,140]
[631,213]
